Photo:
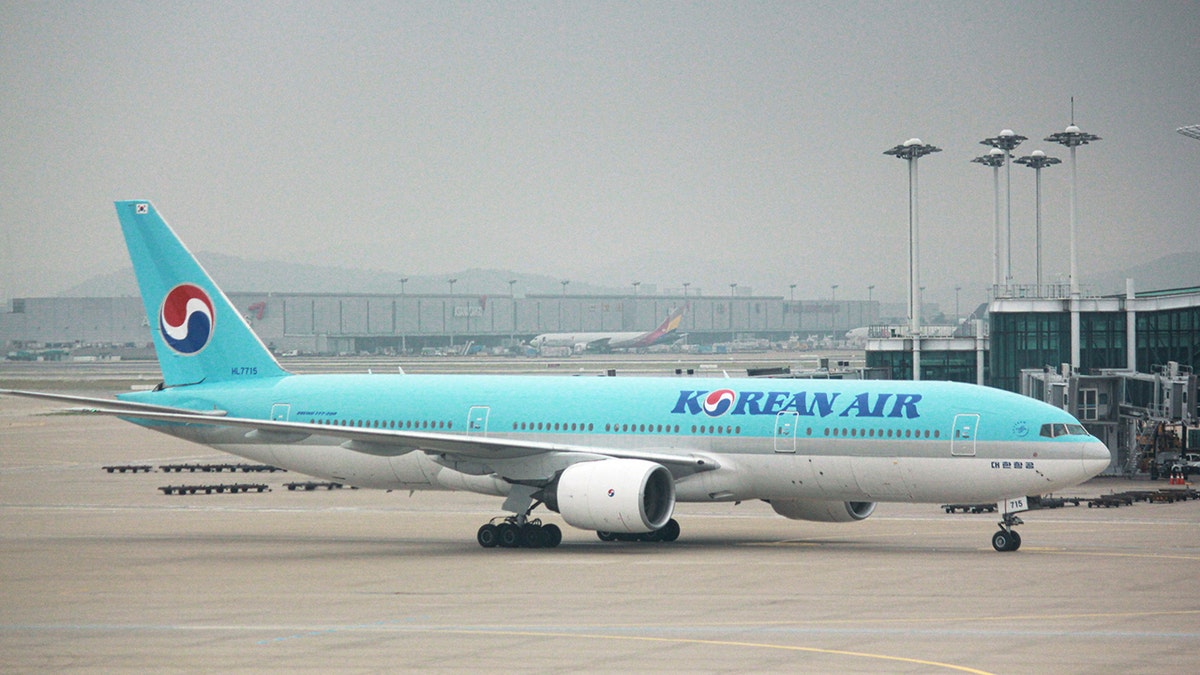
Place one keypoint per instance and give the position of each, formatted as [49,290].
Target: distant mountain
[237,274]
[1178,270]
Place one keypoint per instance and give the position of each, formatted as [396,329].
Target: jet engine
[824,512]
[614,495]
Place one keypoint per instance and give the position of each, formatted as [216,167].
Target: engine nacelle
[823,512]
[614,495]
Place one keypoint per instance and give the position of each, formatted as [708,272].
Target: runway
[102,571]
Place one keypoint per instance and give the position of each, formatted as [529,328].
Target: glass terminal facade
[1029,334]
[1035,333]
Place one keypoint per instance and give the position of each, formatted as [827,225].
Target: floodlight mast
[1006,141]
[1038,161]
[912,150]
[1072,137]
[994,159]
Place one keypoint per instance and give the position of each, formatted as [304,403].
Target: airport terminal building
[319,323]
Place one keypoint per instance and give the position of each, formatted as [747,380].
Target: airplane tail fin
[673,320]
[198,334]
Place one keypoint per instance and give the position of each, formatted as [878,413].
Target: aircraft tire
[1006,541]
[553,535]
[487,536]
[1016,540]
[670,531]
[606,536]
[510,535]
[533,536]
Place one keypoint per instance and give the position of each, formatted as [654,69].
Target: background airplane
[612,455]
[610,341]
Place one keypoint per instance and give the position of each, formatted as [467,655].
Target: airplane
[613,455]
[608,341]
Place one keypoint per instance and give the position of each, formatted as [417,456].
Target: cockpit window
[1056,430]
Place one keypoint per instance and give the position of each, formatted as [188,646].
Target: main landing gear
[1007,538]
[666,533]
[510,532]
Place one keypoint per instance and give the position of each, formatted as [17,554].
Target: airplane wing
[384,442]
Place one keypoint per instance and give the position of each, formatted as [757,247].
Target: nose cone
[1096,458]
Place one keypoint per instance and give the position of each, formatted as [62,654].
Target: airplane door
[477,420]
[785,431]
[962,440]
[280,412]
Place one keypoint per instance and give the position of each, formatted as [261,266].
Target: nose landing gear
[1007,539]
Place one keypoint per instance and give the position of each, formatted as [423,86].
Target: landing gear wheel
[488,536]
[670,531]
[553,535]
[1006,540]
[510,535]
[532,536]
[606,536]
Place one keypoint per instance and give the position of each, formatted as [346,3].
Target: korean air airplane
[612,455]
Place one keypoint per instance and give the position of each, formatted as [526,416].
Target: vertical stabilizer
[198,334]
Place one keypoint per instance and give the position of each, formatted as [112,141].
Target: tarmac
[104,572]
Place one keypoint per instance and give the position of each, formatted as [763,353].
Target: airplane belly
[328,462]
[882,478]
[835,476]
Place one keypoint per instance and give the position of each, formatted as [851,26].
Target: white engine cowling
[615,495]
[824,512]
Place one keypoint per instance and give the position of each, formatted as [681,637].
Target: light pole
[450,321]
[403,333]
[685,287]
[732,333]
[912,150]
[833,292]
[1038,161]
[1006,141]
[1073,138]
[792,292]
[956,314]
[562,303]
[870,292]
[994,159]
[635,288]
[512,333]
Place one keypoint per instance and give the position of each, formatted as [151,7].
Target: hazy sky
[659,141]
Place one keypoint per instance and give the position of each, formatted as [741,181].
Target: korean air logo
[718,402]
[187,319]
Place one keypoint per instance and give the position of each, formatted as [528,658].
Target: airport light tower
[1073,138]
[994,159]
[450,322]
[403,331]
[1038,161]
[912,150]
[1006,141]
